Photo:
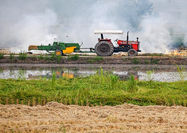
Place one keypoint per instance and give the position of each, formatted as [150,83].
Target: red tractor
[105,47]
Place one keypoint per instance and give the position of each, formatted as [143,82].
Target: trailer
[60,48]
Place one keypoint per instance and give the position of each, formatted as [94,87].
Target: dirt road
[55,117]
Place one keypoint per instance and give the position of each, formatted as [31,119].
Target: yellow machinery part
[69,50]
[65,74]
[33,47]
[58,53]
[68,75]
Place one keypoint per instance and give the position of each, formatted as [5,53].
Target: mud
[55,117]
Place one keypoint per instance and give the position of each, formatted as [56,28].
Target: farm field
[60,118]
[101,102]
[103,66]
[97,102]
[101,88]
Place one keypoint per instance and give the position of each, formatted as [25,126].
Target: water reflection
[71,73]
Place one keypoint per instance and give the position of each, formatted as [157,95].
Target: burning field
[55,117]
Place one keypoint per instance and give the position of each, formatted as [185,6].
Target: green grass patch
[73,57]
[1,56]
[152,54]
[135,61]
[154,61]
[46,57]
[95,59]
[53,57]
[12,56]
[22,56]
[56,58]
[41,57]
[99,89]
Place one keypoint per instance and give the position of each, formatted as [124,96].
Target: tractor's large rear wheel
[104,48]
[132,52]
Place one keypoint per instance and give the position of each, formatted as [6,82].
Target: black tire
[104,48]
[132,52]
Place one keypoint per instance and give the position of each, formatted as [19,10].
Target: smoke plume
[160,24]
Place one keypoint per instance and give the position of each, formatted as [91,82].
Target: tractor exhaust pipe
[127,37]
[102,37]
[138,43]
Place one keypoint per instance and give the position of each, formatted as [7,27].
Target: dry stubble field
[55,117]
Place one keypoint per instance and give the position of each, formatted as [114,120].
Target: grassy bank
[98,89]
[77,59]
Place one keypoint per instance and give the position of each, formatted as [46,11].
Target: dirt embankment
[149,60]
[55,117]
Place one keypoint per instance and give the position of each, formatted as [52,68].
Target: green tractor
[60,48]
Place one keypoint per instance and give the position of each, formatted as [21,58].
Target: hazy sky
[160,24]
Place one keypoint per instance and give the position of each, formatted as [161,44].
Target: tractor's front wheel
[58,52]
[132,52]
[104,48]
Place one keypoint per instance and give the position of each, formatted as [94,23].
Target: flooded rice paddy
[163,75]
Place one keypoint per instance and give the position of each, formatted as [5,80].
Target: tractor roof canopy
[108,32]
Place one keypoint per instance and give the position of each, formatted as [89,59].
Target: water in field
[164,76]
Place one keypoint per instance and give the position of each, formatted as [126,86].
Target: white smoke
[160,24]
[36,28]
[24,23]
